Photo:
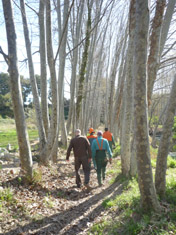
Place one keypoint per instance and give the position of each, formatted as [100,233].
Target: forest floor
[52,204]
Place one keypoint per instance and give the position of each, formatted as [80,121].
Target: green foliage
[153,152]
[6,195]
[48,201]
[174,125]
[171,189]
[37,176]
[153,163]
[171,162]
[154,120]
[129,219]
[116,150]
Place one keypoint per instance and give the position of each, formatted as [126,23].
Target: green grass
[126,216]
[8,133]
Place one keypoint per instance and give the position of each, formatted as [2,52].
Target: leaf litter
[53,204]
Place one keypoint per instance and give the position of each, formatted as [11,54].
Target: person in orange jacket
[108,135]
[91,137]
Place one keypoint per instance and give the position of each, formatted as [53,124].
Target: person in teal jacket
[99,148]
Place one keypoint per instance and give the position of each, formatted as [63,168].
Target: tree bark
[53,131]
[76,38]
[23,140]
[147,190]
[83,66]
[63,29]
[36,101]
[127,119]
[161,164]
[166,24]
[43,72]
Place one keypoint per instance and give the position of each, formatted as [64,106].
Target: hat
[99,133]
[91,130]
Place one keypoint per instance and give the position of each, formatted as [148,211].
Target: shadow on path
[57,222]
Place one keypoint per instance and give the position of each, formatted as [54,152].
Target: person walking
[82,156]
[91,135]
[108,135]
[99,148]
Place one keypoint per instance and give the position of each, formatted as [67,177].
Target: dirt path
[54,205]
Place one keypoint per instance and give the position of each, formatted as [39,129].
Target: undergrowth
[125,216]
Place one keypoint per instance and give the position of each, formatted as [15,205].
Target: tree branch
[170,59]
[32,9]
[90,30]
[66,22]
[6,58]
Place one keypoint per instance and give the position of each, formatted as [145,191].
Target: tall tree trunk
[146,186]
[153,143]
[53,132]
[161,165]
[127,120]
[83,66]
[154,59]
[63,29]
[76,38]
[40,126]
[23,140]
[166,24]
[43,72]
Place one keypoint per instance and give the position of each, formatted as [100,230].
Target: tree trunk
[154,59]
[53,132]
[76,38]
[161,165]
[146,186]
[23,140]
[43,72]
[36,101]
[63,29]
[166,24]
[127,120]
[83,66]
[153,143]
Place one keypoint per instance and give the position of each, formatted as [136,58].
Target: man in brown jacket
[82,153]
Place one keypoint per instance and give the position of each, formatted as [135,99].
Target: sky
[21,50]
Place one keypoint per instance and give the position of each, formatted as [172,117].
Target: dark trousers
[101,162]
[86,168]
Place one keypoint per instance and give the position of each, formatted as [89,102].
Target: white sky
[21,50]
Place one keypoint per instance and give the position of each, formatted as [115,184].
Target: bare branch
[90,30]
[6,58]
[169,49]
[170,59]
[66,22]
[32,9]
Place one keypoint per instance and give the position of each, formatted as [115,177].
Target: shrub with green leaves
[116,150]
[6,195]
[171,162]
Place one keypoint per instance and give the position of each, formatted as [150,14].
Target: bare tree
[160,29]
[83,65]
[145,178]
[75,38]
[63,29]
[128,102]
[53,131]
[161,165]
[43,67]
[23,140]
[153,59]
[33,79]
